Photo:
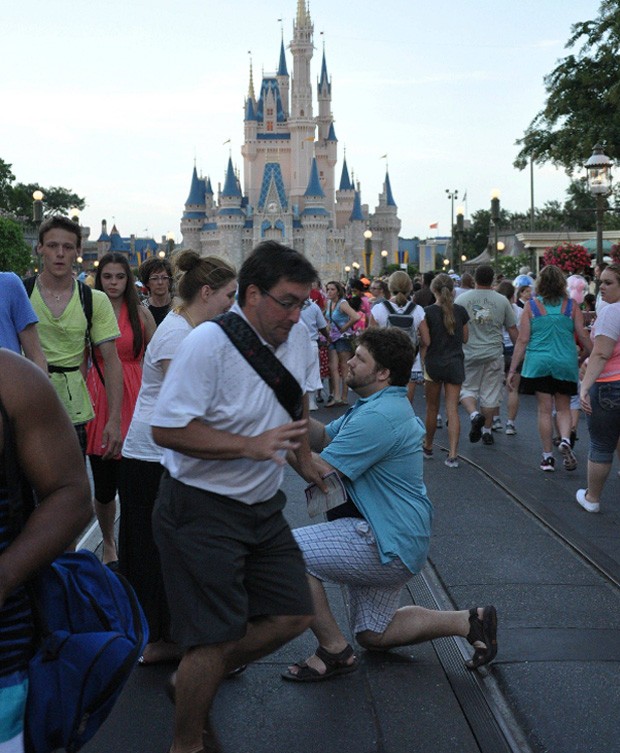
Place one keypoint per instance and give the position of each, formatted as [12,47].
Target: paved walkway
[555,685]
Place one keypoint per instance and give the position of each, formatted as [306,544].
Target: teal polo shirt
[377,445]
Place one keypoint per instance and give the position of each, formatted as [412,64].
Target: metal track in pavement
[481,702]
[604,565]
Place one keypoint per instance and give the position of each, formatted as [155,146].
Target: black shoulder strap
[86,299]
[264,362]
[29,284]
[410,307]
[388,306]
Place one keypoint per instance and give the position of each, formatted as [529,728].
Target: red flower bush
[571,258]
[615,253]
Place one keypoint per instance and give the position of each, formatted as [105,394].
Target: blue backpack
[90,631]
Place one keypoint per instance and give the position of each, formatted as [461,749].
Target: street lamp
[74,213]
[347,271]
[599,183]
[37,207]
[169,243]
[367,250]
[460,229]
[452,195]
[384,256]
[356,268]
[495,221]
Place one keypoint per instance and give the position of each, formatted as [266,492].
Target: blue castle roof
[231,185]
[356,214]
[272,173]
[270,85]
[314,184]
[388,191]
[282,69]
[345,181]
[331,136]
[249,109]
[324,80]
[196,190]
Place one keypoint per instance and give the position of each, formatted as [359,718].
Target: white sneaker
[588,506]
[439,422]
[312,404]
[497,424]
[511,429]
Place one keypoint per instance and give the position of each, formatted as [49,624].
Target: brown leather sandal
[335,664]
[484,631]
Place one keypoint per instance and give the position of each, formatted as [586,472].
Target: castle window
[270,111]
[270,125]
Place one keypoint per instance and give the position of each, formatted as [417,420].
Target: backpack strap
[264,362]
[410,307]
[388,306]
[568,311]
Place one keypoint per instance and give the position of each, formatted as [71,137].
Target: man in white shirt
[234,576]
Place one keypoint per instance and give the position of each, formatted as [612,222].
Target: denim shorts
[604,421]
[341,345]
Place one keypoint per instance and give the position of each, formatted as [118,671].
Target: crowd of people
[190,392]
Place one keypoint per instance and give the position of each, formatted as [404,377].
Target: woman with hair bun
[206,287]
[401,303]
[445,325]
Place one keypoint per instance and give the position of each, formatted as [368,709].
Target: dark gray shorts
[225,563]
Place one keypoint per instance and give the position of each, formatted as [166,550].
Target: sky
[117,99]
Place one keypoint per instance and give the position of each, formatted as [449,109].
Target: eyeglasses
[159,278]
[286,305]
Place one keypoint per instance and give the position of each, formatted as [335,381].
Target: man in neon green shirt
[62,331]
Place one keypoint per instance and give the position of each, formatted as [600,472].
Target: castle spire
[251,94]
[282,69]
[302,13]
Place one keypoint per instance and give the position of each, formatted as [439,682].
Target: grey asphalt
[555,685]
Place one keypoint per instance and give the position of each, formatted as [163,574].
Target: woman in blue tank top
[340,318]
[550,370]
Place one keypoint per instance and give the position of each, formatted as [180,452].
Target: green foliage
[583,98]
[15,254]
[16,198]
[509,266]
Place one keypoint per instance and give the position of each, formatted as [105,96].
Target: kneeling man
[380,537]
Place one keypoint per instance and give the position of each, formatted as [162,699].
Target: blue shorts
[604,421]
[341,345]
[13,694]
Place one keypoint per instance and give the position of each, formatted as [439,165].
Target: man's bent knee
[369,639]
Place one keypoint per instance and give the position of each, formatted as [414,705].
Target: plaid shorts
[344,551]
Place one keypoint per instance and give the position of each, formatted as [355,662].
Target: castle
[289,189]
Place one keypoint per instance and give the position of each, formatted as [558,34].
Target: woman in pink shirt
[600,390]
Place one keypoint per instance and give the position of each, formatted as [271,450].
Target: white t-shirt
[211,381]
[380,315]
[139,444]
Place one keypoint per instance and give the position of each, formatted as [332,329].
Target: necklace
[56,296]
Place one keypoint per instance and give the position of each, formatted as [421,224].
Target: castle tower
[301,121]
[326,148]
[385,223]
[345,198]
[195,213]
[231,218]
[315,219]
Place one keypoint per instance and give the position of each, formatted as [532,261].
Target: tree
[583,98]
[15,255]
[57,200]
[6,179]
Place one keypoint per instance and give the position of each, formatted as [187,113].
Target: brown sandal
[484,631]
[335,664]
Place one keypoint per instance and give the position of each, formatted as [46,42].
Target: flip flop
[335,664]
[485,631]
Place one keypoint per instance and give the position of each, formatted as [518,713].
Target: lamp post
[347,271]
[452,195]
[460,229]
[169,244]
[367,250]
[37,207]
[356,268]
[495,221]
[599,183]
[74,214]
[384,256]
